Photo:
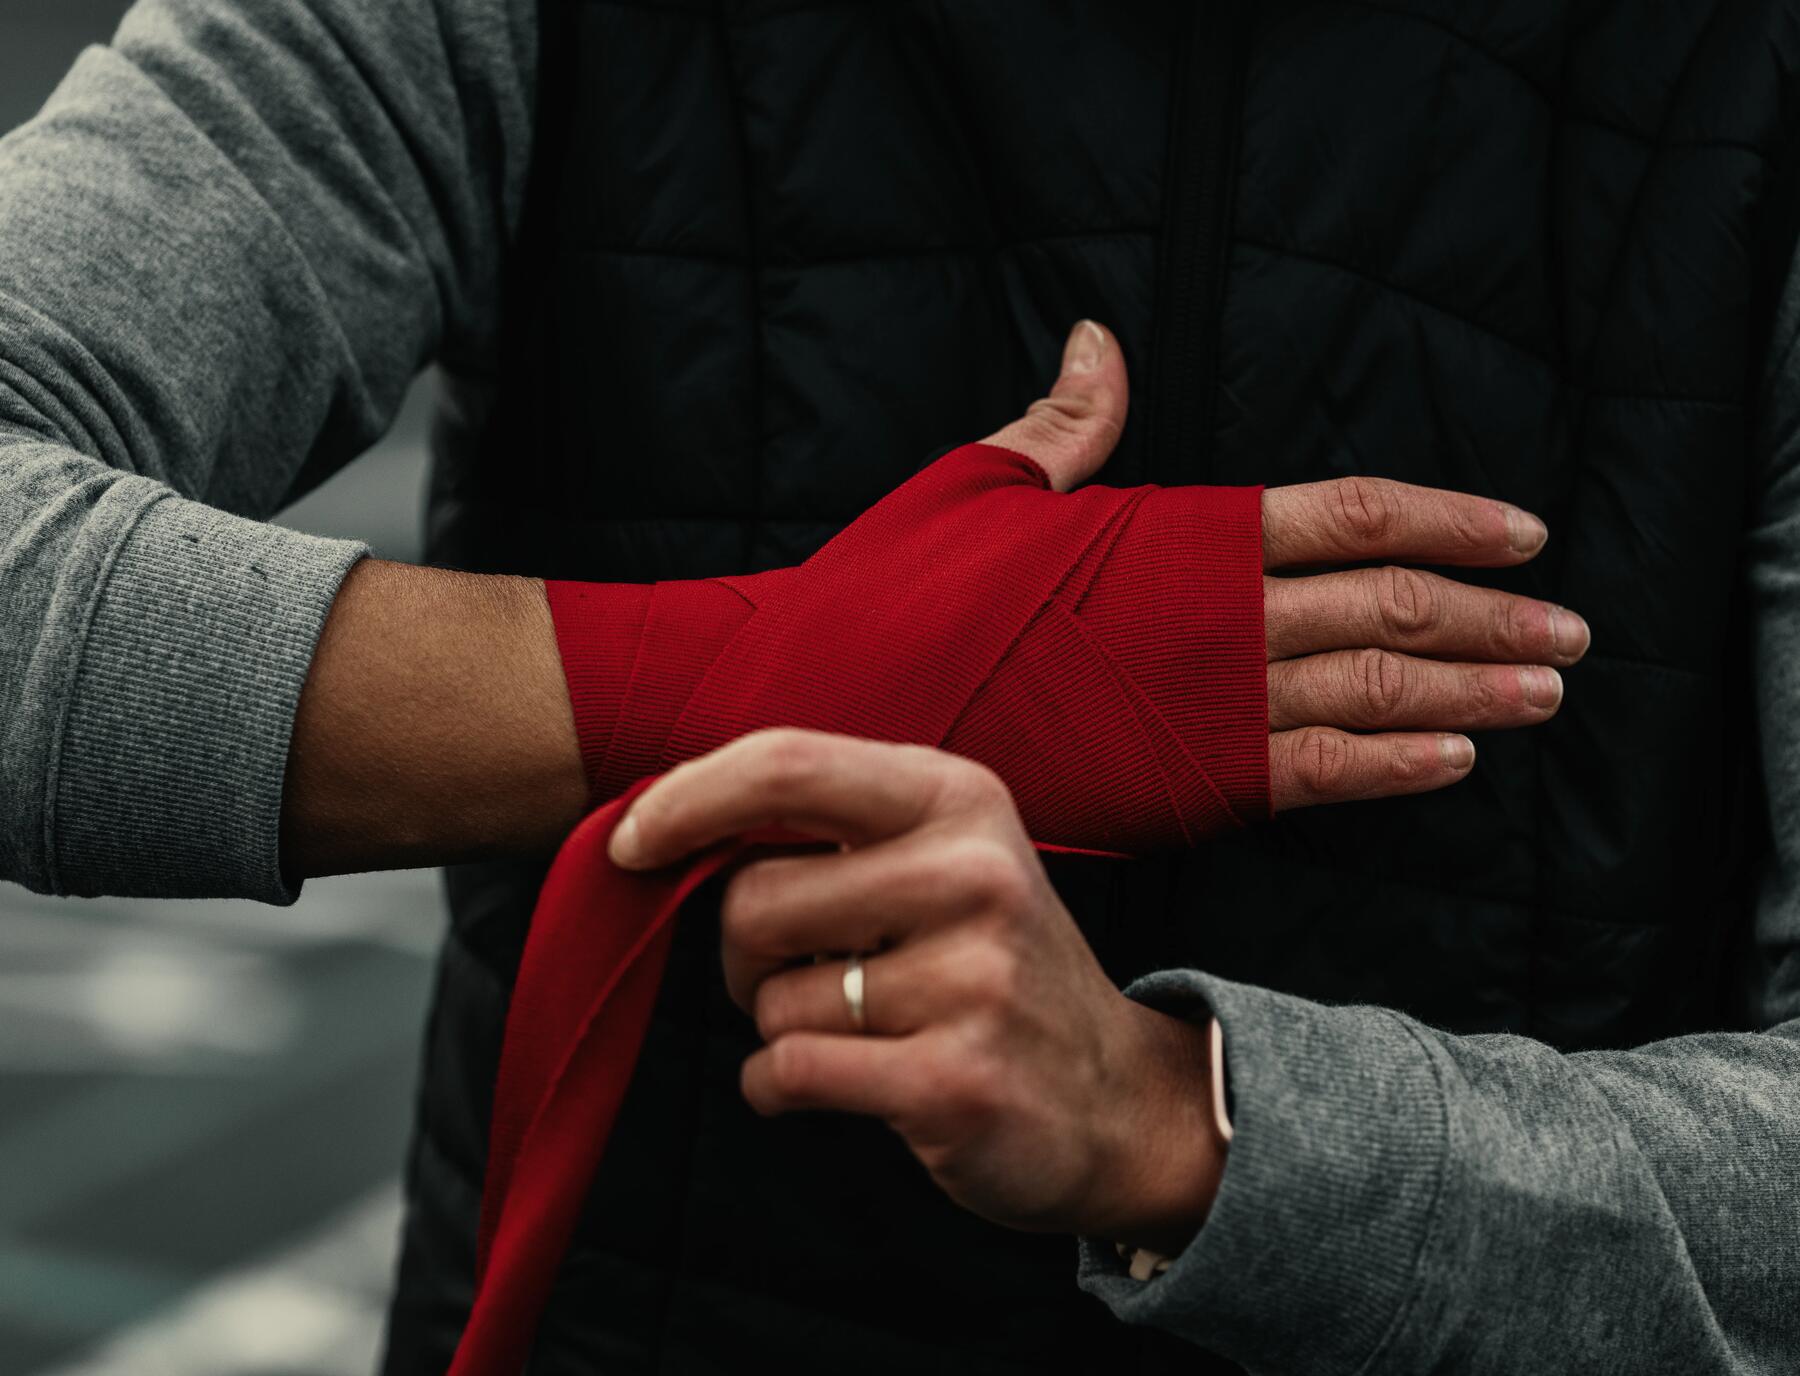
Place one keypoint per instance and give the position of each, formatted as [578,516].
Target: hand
[1411,658]
[1033,1091]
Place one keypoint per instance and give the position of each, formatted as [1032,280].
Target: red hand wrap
[1101,650]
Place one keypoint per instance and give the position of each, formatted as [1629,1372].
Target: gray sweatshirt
[225,247]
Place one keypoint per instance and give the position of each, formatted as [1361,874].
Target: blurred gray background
[203,1106]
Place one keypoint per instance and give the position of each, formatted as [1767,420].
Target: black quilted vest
[779,253]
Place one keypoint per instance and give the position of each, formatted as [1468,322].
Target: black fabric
[778,254]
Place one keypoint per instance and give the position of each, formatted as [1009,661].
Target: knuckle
[1061,416]
[1406,600]
[993,970]
[1467,527]
[959,784]
[1508,625]
[653,815]
[1077,417]
[974,784]
[787,759]
[1364,510]
[1383,679]
[790,1066]
[742,907]
[759,743]
[968,1078]
[1482,694]
[1322,761]
[1404,762]
[990,873]
[768,1006]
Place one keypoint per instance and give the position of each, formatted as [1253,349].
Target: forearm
[1411,1200]
[226,245]
[434,727]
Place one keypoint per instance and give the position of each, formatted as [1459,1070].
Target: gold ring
[853,992]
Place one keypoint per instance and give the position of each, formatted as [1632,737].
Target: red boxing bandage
[1101,650]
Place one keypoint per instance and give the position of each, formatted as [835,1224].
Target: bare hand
[1033,1091]
[1374,673]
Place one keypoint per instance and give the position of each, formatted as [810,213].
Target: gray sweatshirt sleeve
[1398,1199]
[1401,1200]
[227,243]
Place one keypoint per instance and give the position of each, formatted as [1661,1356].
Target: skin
[434,726]
[1033,1091]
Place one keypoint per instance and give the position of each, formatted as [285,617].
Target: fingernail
[1524,532]
[1542,687]
[1569,633]
[1085,349]
[1458,751]
[626,845]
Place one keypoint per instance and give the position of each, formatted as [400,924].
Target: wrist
[1167,1160]
[433,727]
[632,656]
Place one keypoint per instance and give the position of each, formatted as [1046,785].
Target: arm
[1430,1198]
[1401,1199]
[226,245]
[1394,1198]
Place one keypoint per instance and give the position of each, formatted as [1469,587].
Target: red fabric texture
[591,968]
[1101,650]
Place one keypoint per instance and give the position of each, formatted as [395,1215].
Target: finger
[879,1076]
[834,787]
[1378,690]
[1350,520]
[1421,613]
[815,998]
[856,900]
[1319,765]
[1072,431]
[904,989]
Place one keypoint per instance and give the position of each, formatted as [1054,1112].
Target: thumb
[1072,431]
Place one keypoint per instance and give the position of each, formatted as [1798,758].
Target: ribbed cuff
[1309,1260]
[168,776]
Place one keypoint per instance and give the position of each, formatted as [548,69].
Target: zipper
[1198,184]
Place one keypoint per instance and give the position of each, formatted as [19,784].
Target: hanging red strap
[588,979]
[593,963]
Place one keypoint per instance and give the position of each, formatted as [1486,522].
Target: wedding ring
[853,992]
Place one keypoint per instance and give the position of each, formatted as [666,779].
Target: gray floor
[203,1106]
